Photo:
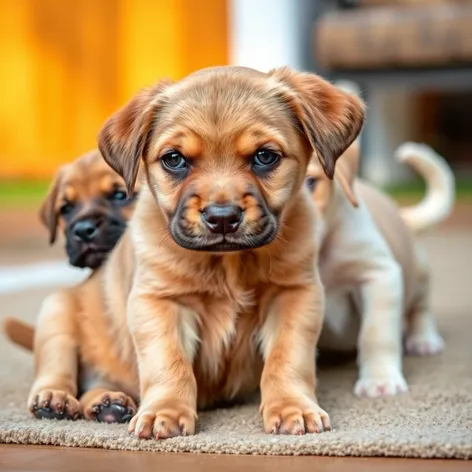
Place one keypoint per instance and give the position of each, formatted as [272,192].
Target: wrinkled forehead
[85,180]
[218,106]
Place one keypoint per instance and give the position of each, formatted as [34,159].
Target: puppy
[213,290]
[376,278]
[87,203]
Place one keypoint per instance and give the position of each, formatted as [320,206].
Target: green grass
[414,190]
[29,193]
[22,193]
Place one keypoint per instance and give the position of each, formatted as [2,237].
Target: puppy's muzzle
[222,219]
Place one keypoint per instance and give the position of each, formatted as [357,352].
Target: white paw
[380,385]
[424,344]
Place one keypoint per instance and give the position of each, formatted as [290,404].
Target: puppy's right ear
[329,118]
[124,135]
[48,213]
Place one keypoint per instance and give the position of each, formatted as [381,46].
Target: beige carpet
[433,420]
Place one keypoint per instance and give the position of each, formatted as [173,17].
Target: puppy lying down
[87,203]
[376,277]
[213,290]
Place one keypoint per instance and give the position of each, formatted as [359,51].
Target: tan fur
[183,328]
[18,332]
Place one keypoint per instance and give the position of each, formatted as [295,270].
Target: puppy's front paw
[424,344]
[380,384]
[292,416]
[163,422]
[109,407]
[54,404]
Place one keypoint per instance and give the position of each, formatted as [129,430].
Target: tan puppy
[213,291]
[376,279]
[87,202]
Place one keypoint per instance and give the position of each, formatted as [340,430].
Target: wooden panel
[67,65]
[368,3]
[389,37]
[40,458]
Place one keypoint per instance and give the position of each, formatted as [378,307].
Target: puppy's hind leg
[103,402]
[422,337]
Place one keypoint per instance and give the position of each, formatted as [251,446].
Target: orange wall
[66,65]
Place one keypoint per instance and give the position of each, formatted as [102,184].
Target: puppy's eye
[174,161]
[66,208]
[117,195]
[311,183]
[264,159]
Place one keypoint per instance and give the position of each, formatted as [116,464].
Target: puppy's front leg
[380,338]
[164,334]
[54,391]
[289,336]
[360,257]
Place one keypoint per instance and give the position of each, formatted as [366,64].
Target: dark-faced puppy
[87,202]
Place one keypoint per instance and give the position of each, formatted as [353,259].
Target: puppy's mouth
[88,255]
[221,243]
[93,254]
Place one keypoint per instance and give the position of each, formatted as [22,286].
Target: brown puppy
[213,291]
[86,202]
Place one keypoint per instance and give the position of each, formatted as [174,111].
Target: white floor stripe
[18,278]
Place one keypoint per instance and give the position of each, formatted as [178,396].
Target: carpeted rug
[434,419]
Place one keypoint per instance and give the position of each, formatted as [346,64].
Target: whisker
[270,260]
[281,239]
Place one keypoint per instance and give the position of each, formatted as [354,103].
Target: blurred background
[67,65]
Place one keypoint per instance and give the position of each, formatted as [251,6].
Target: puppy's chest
[227,361]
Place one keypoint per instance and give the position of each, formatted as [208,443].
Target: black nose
[222,219]
[85,230]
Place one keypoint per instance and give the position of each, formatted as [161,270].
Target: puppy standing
[214,289]
[376,278]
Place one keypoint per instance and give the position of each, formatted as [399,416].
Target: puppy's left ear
[346,171]
[123,138]
[48,214]
[330,118]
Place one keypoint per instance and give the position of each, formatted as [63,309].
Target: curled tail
[438,202]
[19,333]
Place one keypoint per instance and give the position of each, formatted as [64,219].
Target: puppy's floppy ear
[330,118]
[346,171]
[48,213]
[123,137]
